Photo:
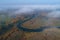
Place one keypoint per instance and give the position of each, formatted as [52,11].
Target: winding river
[19,25]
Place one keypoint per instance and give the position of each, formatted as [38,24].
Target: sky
[10,3]
[29,2]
